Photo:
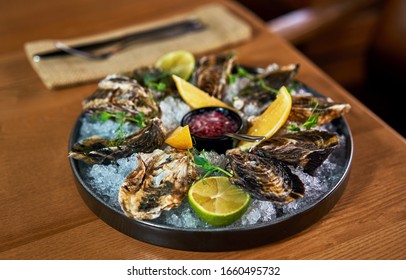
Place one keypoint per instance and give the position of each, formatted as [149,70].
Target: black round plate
[219,239]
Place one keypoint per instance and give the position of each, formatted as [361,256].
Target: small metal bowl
[218,144]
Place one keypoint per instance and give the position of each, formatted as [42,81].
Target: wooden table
[42,214]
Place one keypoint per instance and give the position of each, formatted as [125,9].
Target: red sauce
[211,124]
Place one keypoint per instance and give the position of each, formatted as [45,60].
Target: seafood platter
[153,147]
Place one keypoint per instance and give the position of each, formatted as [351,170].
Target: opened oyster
[265,178]
[303,106]
[118,93]
[159,183]
[307,149]
[211,73]
[158,81]
[96,150]
[259,90]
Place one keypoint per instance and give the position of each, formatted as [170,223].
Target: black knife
[157,33]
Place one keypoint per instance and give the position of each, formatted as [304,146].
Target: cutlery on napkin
[222,28]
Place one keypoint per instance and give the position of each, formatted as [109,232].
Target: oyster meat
[96,150]
[327,110]
[211,73]
[308,149]
[159,183]
[264,178]
[118,93]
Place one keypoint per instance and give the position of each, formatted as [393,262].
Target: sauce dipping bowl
[208,125]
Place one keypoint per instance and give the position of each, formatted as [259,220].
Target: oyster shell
[211,73]
[152,77]
[159,183]
[308,149]
[261,88]
[265,178]
[96,150]
[118,93]
[328,110]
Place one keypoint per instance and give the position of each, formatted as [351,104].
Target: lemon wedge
[180,138]
[217,201]
[194,96]
[271,120]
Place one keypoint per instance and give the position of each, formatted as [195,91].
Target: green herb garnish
[121,119]
[310,123]
[258,82]
[158,86]
[262,84]
[291,86]
[159,81]
[241,72]
[200,160]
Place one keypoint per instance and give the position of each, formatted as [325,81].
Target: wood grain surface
[42,213]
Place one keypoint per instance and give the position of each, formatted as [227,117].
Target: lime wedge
[217,201]
[180,63]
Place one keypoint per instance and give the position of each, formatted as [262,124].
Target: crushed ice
[107,129]
[105,180]
[173,109]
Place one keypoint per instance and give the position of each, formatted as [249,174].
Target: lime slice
[180,63]
[217,201]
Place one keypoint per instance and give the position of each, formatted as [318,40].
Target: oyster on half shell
[327,110]
[265,178]
[308,149]
[211,73]
[260,89]
[96,150]
[159,183]
[117,93]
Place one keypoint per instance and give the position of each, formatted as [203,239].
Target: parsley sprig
[159,81]
[200,160]
[121,118]
[241,72]
[154,84]
[310,123]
